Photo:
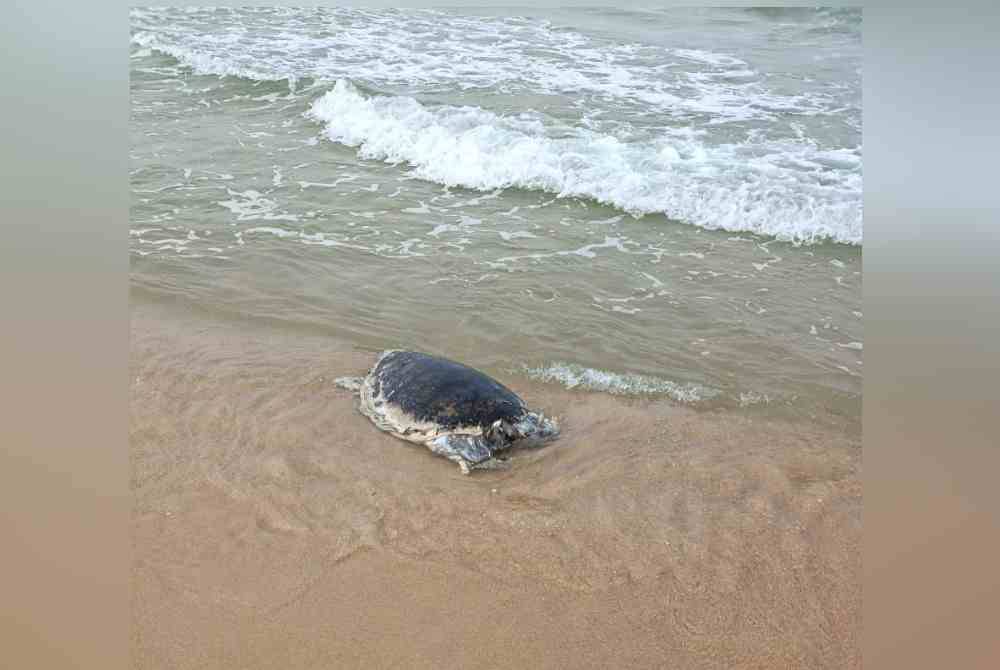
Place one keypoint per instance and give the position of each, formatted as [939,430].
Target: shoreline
[274,526]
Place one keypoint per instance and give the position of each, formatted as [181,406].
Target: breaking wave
[788,190]
[703,137]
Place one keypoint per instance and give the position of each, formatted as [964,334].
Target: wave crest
[791,191]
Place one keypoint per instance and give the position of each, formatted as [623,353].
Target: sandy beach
[275,527]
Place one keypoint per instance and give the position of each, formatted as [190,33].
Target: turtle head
[531,429]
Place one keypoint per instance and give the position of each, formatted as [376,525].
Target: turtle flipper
[349,383]
[471,452]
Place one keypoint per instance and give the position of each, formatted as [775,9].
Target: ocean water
[657,203]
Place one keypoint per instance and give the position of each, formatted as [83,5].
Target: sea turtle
[452,409]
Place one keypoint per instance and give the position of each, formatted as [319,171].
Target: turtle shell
[440,391]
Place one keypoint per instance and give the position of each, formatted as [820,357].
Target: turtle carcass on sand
[452,409]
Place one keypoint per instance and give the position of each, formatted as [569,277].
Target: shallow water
[653,202]
[274,526]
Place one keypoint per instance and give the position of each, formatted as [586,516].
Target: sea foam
[789,190]
[574,376]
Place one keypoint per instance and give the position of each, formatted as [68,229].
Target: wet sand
[275,527]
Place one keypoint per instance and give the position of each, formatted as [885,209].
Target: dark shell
[444,392]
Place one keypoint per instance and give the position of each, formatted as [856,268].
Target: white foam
[515,234]
[413,48]
[639,125]
[443,228]
[586,251]
[277,232]
[336,182]
[249,205]
[422,209]
[574,376]
[731,187]
[201,61]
